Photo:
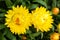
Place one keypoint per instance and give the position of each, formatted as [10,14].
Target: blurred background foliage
[5,5]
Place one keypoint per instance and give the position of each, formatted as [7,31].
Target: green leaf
[33,35]
[28,31]
[54,3]
[24,3]
[1,19]
[58,4]
[58,16]
[2,36]
[41,2]
[10,35]
[33,6]
[2,26]
[2,14]
[8,3]
[18,1]
[53,28]
[2,10]
[36,34]
[41,35]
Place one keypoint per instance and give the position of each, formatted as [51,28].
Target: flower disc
[18,19]
[41,19]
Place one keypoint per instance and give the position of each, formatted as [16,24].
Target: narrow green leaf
[2,14]
[28,31]
[33,35]
[10,35]
[36,34]
[18,1]
[1,19]
[24,3]
[2,36]
[8,3]
[2,26]
[54,3]
[41,35]
[2,10]
[41,2]
[58,16]
[33,6]
[53,28]
[58,4]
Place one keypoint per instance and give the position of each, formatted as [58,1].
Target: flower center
[43,20]
[17,21]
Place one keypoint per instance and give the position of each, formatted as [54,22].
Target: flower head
[41,19]
[54,36]
[55,11]
[58,26]
[18,19]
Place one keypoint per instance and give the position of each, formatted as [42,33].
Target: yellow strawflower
[41,19]
[54,36]
[18,19]
[58,26]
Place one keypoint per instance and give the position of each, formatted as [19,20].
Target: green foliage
[2,26]
[9,35]
[8,3]
[5,33]
[2,36]
[41,2]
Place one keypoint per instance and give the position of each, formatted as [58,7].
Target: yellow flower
[18,19]
[41,19]
[58,26]
[54,36]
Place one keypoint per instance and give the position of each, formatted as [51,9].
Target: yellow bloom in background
[41,19]
[54,36]
[58,26]
[18,19]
